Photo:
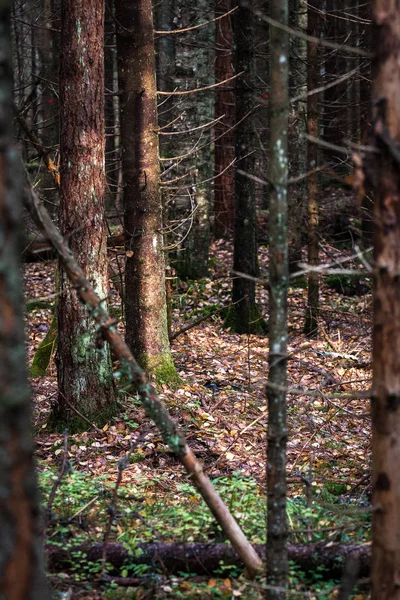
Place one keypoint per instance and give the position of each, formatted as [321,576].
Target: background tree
[21,565]
[277,532]
[84,374]
[145,306]
[311,321]
[224,147]
[244,316]
[193,195]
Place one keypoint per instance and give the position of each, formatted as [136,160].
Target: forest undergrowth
[220,404]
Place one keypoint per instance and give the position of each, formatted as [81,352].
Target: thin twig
[185,29]
[200,89]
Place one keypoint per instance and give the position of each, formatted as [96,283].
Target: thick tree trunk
[383,169]
[84,374]
[21,574]
[244,315]
[146,309]
[277,559]
[311,320]
[224,147]
[205,559]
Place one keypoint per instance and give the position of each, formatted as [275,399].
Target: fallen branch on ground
[206,558]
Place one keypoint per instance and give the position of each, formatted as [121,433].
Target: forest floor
[221,406]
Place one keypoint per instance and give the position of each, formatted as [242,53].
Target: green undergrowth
[151,510]
[176,512]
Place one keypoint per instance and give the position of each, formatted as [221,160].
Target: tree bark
[277,532]
[311,320]
[84,374]
[383,169]
[244,315]
[21,565]
[146,309]
[224,147]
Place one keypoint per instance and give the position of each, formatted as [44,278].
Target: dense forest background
[204,199]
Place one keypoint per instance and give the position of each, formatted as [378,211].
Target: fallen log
[206,559]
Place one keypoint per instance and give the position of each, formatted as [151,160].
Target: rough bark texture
[244,315]
[146,309]
[385,174]
[224,148]
[311,320]
[206,558]
[21,575]
[84,374]
[277,560]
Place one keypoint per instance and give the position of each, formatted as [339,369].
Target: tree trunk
[335,98]
[146,309]
[111,114]
[383,169]
[277,559]
[311,320]
[224,147]
[244,315]
[84,374]
[367,206]
[21,565]
[195,59]
[297,145]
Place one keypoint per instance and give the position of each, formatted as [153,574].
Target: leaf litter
[220,403]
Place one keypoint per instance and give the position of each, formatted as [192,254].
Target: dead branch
[130,370]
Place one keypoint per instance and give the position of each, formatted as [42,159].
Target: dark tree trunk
[335,98]
[277,531]
[165,13]
[21,574]
[244,315]
[297,145]
[224,147]
[367,206]
[146,309]
[383,168]
[311,320]
[84,374]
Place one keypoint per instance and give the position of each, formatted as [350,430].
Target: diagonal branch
[130,370]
